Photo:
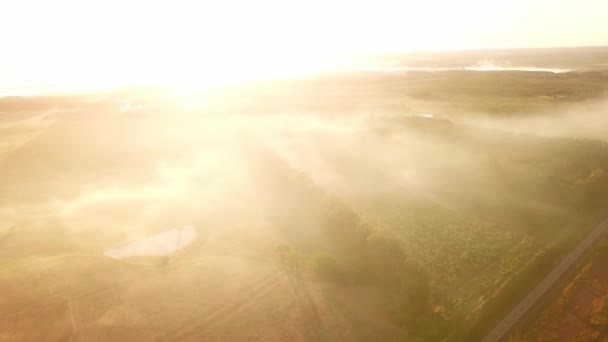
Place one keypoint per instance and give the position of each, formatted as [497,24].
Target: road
[502,329]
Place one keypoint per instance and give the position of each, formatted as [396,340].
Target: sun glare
[189,43]
[303,170]
[193,43]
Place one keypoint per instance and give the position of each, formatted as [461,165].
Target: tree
[326,266]
[288,259]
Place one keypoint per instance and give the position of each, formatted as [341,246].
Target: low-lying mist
[588,119]
[430,221]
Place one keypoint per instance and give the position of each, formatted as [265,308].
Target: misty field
[324,210]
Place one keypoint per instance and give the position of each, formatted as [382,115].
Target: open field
[66,207]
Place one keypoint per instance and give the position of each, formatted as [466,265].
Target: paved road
[500,331]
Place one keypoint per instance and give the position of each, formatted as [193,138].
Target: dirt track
[505,326]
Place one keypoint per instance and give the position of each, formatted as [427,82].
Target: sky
[177,41]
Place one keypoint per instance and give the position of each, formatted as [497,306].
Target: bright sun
[178,43]
[189,42]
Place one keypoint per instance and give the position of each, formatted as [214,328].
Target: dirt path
[504,327]
[73,321]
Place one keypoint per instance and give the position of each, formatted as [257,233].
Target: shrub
[325,266]
[288,258]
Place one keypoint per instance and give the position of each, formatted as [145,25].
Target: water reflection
[484,67]
[161,244]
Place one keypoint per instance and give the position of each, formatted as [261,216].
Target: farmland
[324,209]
